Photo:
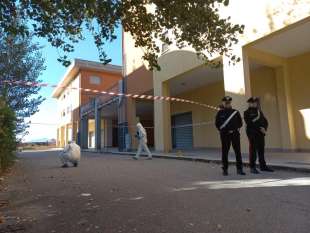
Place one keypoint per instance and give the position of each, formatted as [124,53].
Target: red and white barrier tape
[128,95]
[198,124]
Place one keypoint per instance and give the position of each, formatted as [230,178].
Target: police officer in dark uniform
[228,122]
[256,129]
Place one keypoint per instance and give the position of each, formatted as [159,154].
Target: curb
[208,160]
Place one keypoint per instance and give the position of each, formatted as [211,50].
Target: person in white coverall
[70,154]
[142,137]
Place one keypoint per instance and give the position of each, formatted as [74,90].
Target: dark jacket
[253,127]
[234,124]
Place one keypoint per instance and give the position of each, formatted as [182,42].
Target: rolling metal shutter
[182,131]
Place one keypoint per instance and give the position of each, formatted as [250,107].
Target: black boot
[240,172]
[65,165]
[75,164]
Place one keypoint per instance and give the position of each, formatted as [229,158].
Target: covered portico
[99,122]
[180,125]
[274,68]
[279,75]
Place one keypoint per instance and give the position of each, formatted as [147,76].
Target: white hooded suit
[71,154]
[142,137]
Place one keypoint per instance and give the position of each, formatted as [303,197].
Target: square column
[108,131]
[132,121]
[162,118]
[62,136]
[285,108]
[66,135]
[237,85]
[84,133]
[58,138]
[97,126]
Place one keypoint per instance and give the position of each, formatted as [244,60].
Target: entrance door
[182,131]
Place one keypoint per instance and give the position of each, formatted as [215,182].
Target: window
[95,80]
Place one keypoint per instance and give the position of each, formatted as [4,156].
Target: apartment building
[275,56]
[71,95]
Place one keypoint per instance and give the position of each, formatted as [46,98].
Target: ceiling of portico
[288,42]
[194,79]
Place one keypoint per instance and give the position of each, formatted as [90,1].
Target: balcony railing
[102,99]
[88,107]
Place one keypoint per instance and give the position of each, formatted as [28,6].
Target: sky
[44,122]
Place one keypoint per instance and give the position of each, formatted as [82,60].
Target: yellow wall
[263,17]
[299,68]
[206,135]
[263,85]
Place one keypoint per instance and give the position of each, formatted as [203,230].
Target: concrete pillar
[62,136]
[109,132]
[58,138]
[132,121]
[162,118]
[288,136]
[66,135]
[102,133]
[97,126]
[237,85]
[84,132]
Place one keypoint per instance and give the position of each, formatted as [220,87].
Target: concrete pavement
[293,161]
[112,194]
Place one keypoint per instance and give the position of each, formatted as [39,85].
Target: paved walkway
[296,161]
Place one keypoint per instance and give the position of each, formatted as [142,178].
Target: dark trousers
[227,140]
[257,147]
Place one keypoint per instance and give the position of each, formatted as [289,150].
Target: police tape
[173,126]
[127,95]
[199,124]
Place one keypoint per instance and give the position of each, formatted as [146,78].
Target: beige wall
[299,69]
[263,85]
[263,17]
[69,100]
[132,56]
[203,135]
[280,102]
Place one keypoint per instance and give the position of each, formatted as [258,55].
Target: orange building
[70,96]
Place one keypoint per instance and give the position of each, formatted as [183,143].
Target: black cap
[227,99]
[253,100]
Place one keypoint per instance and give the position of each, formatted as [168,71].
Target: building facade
[275,56]
[71,96]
